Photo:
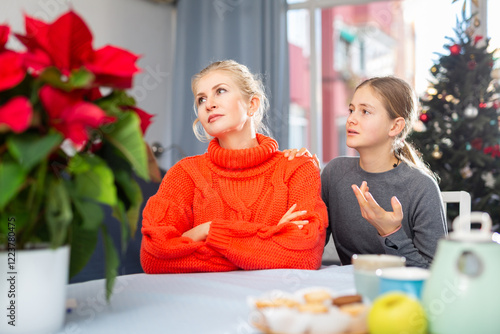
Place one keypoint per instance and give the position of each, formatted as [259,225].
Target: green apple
[397,313]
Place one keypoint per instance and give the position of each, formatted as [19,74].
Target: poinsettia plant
[71,140]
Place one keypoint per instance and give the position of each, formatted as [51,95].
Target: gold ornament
[495,74]
[466,172]
[437,154]
[470,31]
[432,91]
[477,22]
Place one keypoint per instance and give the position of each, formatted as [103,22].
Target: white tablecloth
[201,303]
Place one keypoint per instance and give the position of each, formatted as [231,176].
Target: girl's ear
[397,126]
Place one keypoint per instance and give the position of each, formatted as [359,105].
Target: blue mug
[409,280]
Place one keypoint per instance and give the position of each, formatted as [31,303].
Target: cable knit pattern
[244,193]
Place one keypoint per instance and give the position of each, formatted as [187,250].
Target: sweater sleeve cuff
[388,234]
[394,242]
[217,238]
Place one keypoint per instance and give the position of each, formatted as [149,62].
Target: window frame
[314,9]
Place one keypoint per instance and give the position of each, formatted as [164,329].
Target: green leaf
[29,149]
[79,78]
[83,243]
[126,135]
[134,195]
[15,213]
[91,213]
[58,212]
[78,165]
[33,199]
[52,76]
[97,183]
[134,211]
[114,101]
[12,177]
[112,262]
[120,214]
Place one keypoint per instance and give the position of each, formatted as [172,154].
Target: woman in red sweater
[242,204]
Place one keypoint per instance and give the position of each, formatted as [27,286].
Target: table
[202,303]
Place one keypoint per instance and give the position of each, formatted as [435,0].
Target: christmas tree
[459,130]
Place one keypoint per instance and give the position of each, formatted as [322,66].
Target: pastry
[313,308]
[345,300]
[278,302]
[353,309]
[317,296]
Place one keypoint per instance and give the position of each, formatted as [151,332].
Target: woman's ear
[254,105]
[397,126]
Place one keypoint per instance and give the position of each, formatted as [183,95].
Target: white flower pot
[33,290]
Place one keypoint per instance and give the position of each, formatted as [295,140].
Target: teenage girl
[386,201]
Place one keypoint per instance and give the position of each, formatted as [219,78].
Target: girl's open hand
[385,222]
[289,217]
[293,152]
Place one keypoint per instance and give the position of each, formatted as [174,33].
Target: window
[494,31]
[300,73]
[333,46]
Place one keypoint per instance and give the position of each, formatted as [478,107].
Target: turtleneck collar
[244,158]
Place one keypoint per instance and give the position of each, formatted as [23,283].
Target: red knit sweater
[244,193]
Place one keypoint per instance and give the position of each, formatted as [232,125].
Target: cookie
[313,308]
[353,309]
[278,302]
[317,296]
[344,300]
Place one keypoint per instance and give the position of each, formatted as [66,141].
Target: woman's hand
[289,217]
[198,233]
[292,153]
[385,222]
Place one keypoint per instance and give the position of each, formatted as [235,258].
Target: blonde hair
[249,84]
[399,100]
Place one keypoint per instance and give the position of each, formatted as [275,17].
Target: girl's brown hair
[399,100]
[249,84]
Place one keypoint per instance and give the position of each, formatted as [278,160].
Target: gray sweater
[423,222]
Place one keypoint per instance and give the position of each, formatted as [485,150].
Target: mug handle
[475,217]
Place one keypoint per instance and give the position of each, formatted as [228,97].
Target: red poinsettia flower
[36,41]
[11,63]
[144,117]
[16,114]
[11,69]
[71,115]
[4,36]
[93,94]
[113,67]
[67,44]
